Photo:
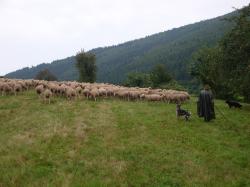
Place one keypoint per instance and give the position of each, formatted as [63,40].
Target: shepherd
[205,104]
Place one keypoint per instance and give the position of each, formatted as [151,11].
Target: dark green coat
[205,105]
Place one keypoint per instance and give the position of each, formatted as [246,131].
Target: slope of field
[174,48]
[118,143]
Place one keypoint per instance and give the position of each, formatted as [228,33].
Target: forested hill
[173,48]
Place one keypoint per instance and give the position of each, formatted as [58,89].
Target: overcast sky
[37,31]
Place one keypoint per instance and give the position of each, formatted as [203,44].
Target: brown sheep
[62,90]
[47,94]
[94,93]
[74,89]
[102,92]
[86,92]
[70,93]
[79,91]
[134,95]
[123,94]
[39,89]
[17,89]
[6,89]
[153,97]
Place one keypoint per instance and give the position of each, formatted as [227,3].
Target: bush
[45,75]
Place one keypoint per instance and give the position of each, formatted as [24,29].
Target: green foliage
[45,75]
[159,75]
[138,80]
[85,63]
[246,87]
[172,85]
[206,67]
[156,77]
[226,67]
[236,53]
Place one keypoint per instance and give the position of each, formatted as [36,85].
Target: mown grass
[120,143]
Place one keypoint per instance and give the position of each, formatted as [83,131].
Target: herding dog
[232,103]
[181,112]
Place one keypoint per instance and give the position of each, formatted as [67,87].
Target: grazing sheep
[17,89]
[6,89]
[23,85]
[47,94]
[62,90]
[86,92]
[70,93]
[123,94]
[39,89]
[71,90]
[134,95]
[94,93]
[102,92]
[79,91]
[153,97]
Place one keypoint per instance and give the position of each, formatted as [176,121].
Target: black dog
[232,103]
[181,112]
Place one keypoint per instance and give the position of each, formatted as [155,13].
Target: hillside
[173,48]
[87,143]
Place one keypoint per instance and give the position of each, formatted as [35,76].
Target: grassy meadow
[118,143]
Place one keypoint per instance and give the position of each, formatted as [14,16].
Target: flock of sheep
[75,90]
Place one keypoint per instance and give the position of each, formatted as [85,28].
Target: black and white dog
[181,112]
[232,103]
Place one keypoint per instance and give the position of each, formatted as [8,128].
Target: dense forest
[173,48]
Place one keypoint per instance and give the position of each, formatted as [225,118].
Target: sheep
[86,92]
[39,89]
[70,93]
[62,90]
[23,85]
[46,94]
[123,94]
[94,93]
[53,88]
[134,95]
[6,89]
[74,89]
[17,88]
[102,92]
[153,97]
[79,91]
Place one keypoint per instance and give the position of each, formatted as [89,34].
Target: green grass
[119,143]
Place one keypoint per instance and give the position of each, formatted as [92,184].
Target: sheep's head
[142,96]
